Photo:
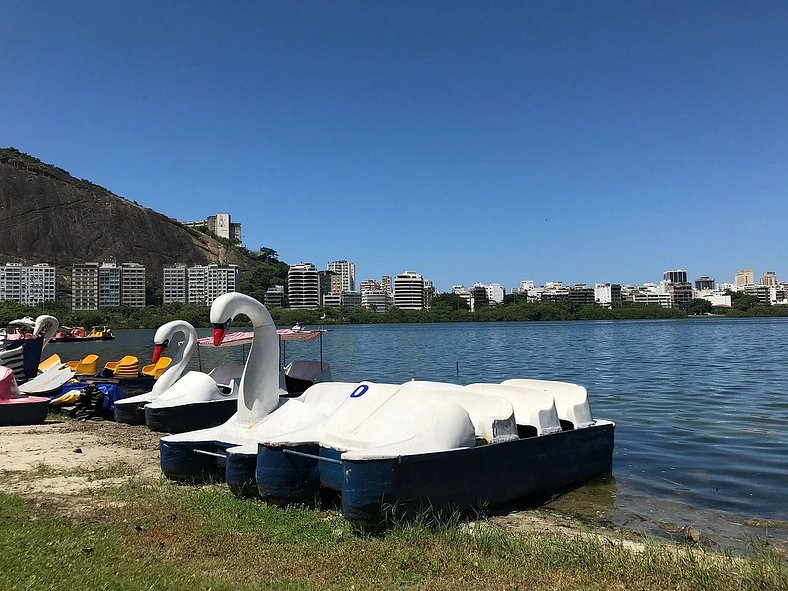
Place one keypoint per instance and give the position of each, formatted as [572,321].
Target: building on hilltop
[409,291]
[219,224]
[29,285]
[303,286]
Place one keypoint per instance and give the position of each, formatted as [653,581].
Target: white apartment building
[208,282]
[84,286]
[28,285]
[132,285]
[495,292]
[607,295]
[385,284]
[303,286]
[108,286]
[96,286]
[409,291]
[375,299]
[347,272]
[174,284]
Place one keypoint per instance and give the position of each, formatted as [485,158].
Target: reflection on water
[701,406]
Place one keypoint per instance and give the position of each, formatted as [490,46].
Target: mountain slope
[48,215]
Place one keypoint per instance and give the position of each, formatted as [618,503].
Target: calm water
[701,405]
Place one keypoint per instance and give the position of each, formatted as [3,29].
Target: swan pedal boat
[191,455]
[180,400]
[24,355]
[402,449]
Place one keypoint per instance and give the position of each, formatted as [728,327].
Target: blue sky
[468,141]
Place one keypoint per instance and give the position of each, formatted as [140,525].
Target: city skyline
[572,142]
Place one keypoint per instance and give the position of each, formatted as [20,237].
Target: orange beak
[158,351]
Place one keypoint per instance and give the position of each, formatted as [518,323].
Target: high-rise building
[385,284]
[132,285]
[607,295]
[675,276]
[769,278]
[704,283]
[680,293]
[303,286]
[347,271]
[744,277]
[108,286]
[327,282]
[85,286]
[409,291]
[208,282]
[174,284]
[369,285]
[495,293]
[479,299]
[30,285]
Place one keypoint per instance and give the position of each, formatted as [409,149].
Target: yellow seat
[87,365]
[50,362]
[128,367]
[158,368]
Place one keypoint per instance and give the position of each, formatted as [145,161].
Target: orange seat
[128,367]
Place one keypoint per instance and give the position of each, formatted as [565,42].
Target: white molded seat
[532,407]
[571,400]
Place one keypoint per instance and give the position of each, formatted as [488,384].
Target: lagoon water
[701,405]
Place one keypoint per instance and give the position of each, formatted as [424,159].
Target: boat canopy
[232,339]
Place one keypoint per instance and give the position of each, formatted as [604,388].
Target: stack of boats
[403,446]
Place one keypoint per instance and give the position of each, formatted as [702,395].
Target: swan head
[229,305]
[159,349]
[46,326]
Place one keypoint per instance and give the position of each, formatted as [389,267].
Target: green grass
[164,536]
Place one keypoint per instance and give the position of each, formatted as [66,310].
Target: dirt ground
[66,457]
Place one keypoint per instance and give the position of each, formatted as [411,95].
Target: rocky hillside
[48,215]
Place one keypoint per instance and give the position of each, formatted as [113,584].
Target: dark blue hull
[240,474]
[190,417]
[24,411]
[182,461]
[131,414]
[465,479]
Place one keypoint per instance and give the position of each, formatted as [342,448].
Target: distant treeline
[155,316]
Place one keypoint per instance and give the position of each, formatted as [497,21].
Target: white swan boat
[193,455]
[181,400]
